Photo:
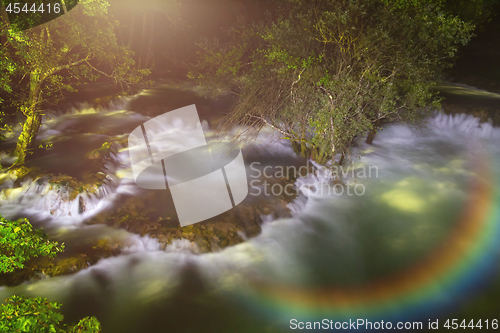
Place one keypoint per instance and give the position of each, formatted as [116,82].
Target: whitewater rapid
[421,180]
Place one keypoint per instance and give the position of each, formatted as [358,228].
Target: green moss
[100,153]
[215,233]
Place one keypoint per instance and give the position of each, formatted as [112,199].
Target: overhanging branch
[60,68]
[120,81]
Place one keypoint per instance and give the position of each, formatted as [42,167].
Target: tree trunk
[5,17]
[371,135]
[33,119]
[119,33]
[142,44]
[303,146]
[296,147]
[318,155]
[28,136]
[342,159]
[64,7]
[131,32]
[149,50]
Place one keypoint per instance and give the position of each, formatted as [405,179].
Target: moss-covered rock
[230,228]
[105,149]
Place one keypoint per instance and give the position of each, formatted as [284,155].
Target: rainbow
[440,281]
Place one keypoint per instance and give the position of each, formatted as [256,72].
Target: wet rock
[228,229]
[81,205]
[103,151]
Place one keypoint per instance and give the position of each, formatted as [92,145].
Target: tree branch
[60,68]
[272,126]
[108,75]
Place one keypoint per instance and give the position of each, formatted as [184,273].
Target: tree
[19,243]
[37,314]
[477,12]
[46,60]
[323,72]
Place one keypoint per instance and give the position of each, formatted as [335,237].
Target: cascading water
[39,197]
[418,243]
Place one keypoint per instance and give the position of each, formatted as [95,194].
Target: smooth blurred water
[410,206]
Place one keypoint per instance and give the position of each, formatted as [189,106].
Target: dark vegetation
[323,73]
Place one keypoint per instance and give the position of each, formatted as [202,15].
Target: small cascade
[465,124]
[49,200]
[142,244]
[60,203]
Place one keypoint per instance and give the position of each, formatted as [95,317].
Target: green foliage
[19,242]
[21,314]
[472,11]
[37,11]
[324,72]
[86,325]
[58,56]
